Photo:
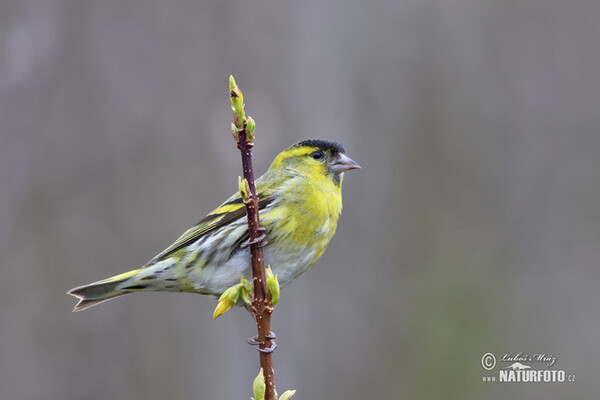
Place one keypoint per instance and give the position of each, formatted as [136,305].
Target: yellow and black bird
[300,200]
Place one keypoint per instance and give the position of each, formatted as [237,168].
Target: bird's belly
[216,278]
[295,242]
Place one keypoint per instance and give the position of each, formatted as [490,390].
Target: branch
[243,131]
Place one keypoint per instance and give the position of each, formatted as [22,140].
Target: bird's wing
[226,213]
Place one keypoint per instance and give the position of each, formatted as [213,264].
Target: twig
[243,131]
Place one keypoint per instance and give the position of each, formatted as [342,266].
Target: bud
[227,300]
[272,285]
[250,127]
[245,290]
[244,188]
[234,131]
[287,395]
[237,101]
[246,284]
[259,386]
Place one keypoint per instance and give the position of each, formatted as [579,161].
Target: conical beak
[343,163]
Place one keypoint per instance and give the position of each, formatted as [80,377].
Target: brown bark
[261,310]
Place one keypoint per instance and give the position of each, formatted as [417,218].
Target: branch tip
[237,102]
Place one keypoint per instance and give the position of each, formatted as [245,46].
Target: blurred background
[473,226]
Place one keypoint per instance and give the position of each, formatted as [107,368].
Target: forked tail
[101,291]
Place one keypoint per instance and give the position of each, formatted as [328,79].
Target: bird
[299,201]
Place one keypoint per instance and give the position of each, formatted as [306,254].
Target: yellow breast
[307,215]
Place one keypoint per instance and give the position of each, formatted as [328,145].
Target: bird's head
[315,158]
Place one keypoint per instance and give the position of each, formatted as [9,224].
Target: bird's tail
[101,291]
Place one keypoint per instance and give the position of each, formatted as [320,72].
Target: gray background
[473,227]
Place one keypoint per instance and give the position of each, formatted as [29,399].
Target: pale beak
[343,163]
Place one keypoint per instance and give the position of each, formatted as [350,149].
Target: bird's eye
[317,155]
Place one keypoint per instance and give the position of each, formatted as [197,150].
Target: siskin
[300,200]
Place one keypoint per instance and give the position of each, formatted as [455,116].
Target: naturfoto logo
[517,368]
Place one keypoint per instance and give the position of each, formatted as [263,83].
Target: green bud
[227,300]
[234,131]
[246,297]
[287,395]
[246,284]
[250,127]
[244,188]
[259,386]
[237,101]
[245,290]
[272,285]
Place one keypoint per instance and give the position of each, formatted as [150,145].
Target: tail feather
[99,292]
[95,293]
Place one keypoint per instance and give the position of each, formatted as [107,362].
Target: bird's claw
[268,349]
[253,341]
[271,335]
[261,240]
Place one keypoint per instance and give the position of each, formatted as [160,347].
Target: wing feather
[226,213]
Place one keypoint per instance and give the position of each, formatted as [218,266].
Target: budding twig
[243,132]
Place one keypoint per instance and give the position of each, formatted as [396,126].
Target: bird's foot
[253,341]
[269,349]
[260,240]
